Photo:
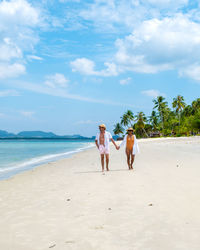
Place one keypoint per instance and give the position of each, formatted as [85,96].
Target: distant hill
[4,134]
[38,134]
[41,134]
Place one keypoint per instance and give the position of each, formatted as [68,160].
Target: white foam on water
[36,161]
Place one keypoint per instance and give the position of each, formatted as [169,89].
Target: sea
[18,155]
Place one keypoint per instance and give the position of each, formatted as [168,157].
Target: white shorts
[103,150]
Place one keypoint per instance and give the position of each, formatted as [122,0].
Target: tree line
[179,120]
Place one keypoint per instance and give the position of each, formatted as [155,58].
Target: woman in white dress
[131,147]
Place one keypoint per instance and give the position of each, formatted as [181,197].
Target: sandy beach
[70,204]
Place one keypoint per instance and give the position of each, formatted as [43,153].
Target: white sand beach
[70,204]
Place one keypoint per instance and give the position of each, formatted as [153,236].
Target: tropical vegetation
[178,120]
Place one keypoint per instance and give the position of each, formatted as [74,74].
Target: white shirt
[135,145]
[107,137]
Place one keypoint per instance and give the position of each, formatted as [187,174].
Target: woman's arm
[137,150]
[123,142]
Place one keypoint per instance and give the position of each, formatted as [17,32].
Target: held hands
[117,147]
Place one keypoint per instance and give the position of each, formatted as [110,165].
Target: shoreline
[29,164]
[20,169]
[69,204]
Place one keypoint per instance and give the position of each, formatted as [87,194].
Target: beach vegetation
[180,120]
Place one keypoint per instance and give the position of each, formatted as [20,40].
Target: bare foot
[107,169]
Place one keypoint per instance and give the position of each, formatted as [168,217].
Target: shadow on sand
[99,171]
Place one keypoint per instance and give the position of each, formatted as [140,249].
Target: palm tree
[130,115]
[179,105]
[118,129]
[154,120]
[140,122]
[161,106]
[196,104]
[188,111]
[127,118]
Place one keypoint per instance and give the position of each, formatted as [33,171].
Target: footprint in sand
[98,227]
[52,246]
[69,241]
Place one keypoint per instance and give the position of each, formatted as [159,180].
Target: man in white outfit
[103,144]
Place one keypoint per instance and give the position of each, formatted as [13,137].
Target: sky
[68,65]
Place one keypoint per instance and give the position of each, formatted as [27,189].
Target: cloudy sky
[68,65]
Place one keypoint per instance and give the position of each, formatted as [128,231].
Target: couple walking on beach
[103,144]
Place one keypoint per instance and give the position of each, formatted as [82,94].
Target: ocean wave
[36,161]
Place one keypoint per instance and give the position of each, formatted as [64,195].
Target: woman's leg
[132,160]
[128,158]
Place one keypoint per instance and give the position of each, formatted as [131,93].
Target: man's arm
[114,143]
[96,143]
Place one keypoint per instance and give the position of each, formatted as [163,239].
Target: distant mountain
[38,134]
[4,134]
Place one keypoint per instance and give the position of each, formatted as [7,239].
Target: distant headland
[38,135]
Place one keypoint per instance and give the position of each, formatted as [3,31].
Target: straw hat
[130,129]
[102,126]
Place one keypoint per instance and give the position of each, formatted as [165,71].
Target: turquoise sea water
[19,155]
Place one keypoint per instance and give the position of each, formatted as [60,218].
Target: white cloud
[125,81]
[192,71]
[110,15]
[9,92]
[158,45]
[62,92]
[56,80]
[18,20]
[123,15]
[11,70]
[166,4]
[34,57]
[163,36]
[152,93]
[66,1]
[28,114]
[87,67]
[9,50]
[155,45]
[84,66]
[17,12]
[85,122]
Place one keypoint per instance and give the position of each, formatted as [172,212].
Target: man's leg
[107,162]
[102,162]
[132,160]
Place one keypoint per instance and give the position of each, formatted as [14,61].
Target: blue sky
[68,65]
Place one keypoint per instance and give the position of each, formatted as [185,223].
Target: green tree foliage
[127,118]
[178,104]
[161,105]
[118,129]
[183,120]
